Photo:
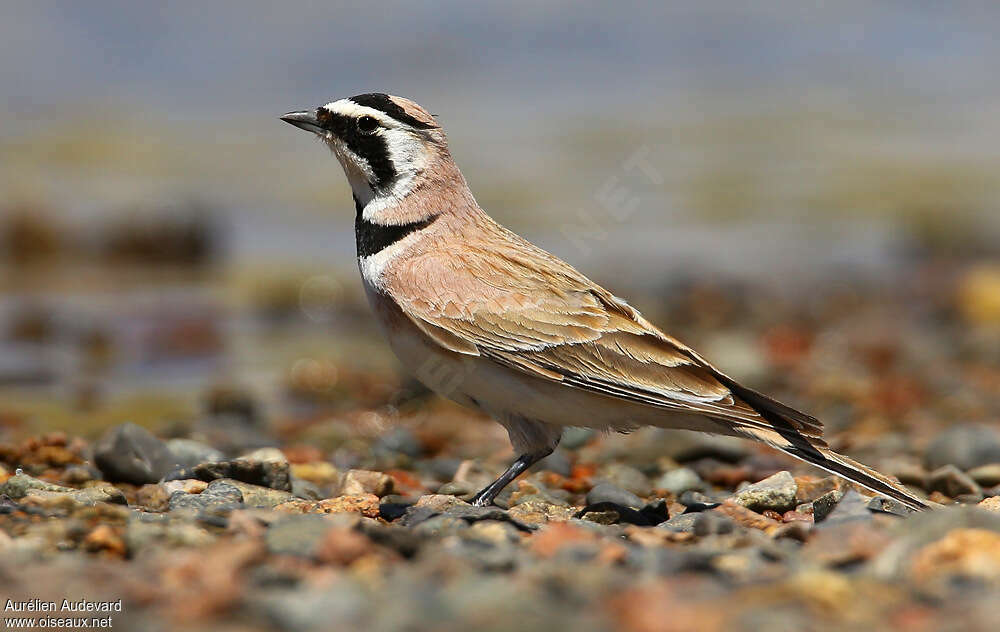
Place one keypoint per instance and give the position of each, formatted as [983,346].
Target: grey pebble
[189,453]
[965,446]
[128,453]
[298,535]
[776,492]
[608,493]
[952,482]
[680,480]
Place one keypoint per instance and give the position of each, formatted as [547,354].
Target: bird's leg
[485,497]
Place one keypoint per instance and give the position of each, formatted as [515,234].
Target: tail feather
[825,458]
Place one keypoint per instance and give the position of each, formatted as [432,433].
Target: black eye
[367,124]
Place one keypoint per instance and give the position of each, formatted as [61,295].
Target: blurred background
[809,196]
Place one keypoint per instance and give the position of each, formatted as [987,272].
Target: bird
[484,317]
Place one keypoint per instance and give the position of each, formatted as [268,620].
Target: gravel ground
[355,517]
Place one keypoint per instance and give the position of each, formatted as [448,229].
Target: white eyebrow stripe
[346,107]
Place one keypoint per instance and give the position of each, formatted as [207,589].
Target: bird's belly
[505,393]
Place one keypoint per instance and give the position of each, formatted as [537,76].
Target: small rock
[264,455]
[189,453]
[952,482]
[851,507]
[965,447]
[712,523]
[908,472]
[746,517]
[144,535]
[17,486]
[991,504]
[461,489]
[822,506]
[683,523]
[962,553]
[367,482]
[305,489]
[528,491]
[888,505]
[438,502]
[318,472]
[680,480]
[75,498]
[398,441]
[608,493]
[626,477]
[691,446]
[299,535]
[537,512]
[440,525]
[776,493]
[155,497]
[187,485]
[926,528]
[128,453]
[80,474]
[601,517]
[986,475]
[340,547]
[273,474]
[257,495]
[218,500]
[364,504]
[105,538]
[494,532]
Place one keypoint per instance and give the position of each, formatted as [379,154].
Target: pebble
[273,474]
[990,504]
[625,477]
[608,493]
[17,486]
[965,446]
[952,482]
[257,495]
[986,475]
[187,485]
[712,523]
[691,446]
[680,480]
[189,453]
[218,500]
[537,512]
[75,497]
[366,482]
[267,454]
[299,535]
[438,502]
[683,523]
[822,506]
[140,536]
[775,493]
[317,472]
[364,504]
[851,507]
[128,453]
[398,440]
[302,488]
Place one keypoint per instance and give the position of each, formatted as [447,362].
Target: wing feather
[530,311]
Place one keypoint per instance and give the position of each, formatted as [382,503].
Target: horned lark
[491,321]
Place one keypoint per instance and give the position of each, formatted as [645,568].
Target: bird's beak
[304,120]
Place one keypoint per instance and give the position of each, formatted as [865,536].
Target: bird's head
[385,143]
